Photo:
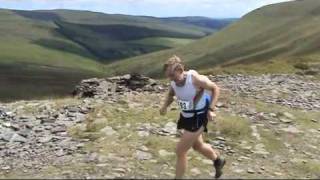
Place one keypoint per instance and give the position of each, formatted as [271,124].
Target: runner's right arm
[169,97]
[168,100]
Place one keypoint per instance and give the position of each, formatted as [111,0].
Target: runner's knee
[197,146]
[181,151]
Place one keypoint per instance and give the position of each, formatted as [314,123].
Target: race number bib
[185,105]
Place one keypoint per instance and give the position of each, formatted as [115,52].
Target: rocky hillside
[267,126]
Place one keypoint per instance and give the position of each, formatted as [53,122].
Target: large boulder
[94,87]
[2,113]
[116,85]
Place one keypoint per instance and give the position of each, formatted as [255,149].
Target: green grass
[41,56]
[105,36]
[30,70]
[160,41]
[271,66]
[26,81]
[127,141]
[113,42]
[310,167]
[48,52]
[272,142]
[261,37]
[280,65]
[95,18]
[232,126]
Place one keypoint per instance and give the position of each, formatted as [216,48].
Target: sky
[158,8]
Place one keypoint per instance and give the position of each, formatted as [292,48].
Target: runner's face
[174,75]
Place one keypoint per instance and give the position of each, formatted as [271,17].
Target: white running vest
[186,93]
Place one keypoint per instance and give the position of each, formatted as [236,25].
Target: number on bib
[185,105]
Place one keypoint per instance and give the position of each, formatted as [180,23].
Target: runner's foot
[218,165]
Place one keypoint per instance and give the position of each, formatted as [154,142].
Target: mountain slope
[29,69]
[48,52]
[204,21]
[96,31]
[117,41]
[287,31]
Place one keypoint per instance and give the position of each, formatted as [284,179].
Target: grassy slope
[35,57]
[19,44]
[281,31]
[36,33]
[31,70]
[106,35]
[112,42]
[170,42]
[204,21]
[95,18]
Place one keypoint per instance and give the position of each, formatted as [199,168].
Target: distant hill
[47,52]
[274,38]
[110,37]
[204,21]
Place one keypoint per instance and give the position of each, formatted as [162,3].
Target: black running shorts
[194,123]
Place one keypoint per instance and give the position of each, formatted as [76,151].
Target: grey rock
[58,129]
[42,117]
[140,155]
[60,153]
[285,120]
[45,139]
[113,86]
[195,171]
[170,128]
[108,131]
[314,120]
[144,148]
[291,129]
[288,115]
[73,109]
[6,168]
[24,132]
[250,171]
[11,136]
[143,133]
[220,105]
[221,138]
[238,170]
[164,153]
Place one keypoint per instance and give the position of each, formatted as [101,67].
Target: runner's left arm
[205,83]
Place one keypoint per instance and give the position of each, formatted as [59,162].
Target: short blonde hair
[174,62]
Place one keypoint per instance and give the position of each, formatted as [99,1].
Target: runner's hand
[211,116]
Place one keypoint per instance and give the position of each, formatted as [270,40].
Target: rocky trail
[267,126]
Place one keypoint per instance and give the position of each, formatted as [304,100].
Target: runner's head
[174,68]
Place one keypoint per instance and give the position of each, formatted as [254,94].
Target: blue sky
[159,8]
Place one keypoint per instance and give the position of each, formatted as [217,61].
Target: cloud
[163,8]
